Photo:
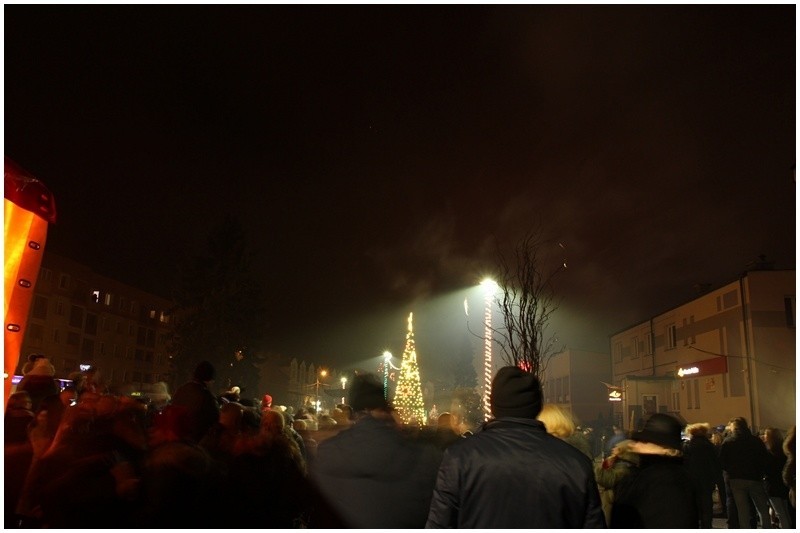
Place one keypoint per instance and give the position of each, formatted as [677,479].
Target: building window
[63,281]
[688,394]
[618,352]
[87,349]
[119,326]
[115,351]
[107,299]
[139,354]
[636,347]
[672,336]
[696,383]
[163,318]
[651,343]
[128,352]
[76,316]
[73,339]
[676,401]
[90,327]
[46,274]
[35,334]
[60,307]
[39,307]
[96,296]
[153,313]
[131,332]
[56,336]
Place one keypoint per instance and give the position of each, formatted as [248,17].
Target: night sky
[376,154]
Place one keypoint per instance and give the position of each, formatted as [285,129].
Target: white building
[727,353]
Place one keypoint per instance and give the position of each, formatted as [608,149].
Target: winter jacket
[513,474]
[201,409]
[657,494]
[374,476]
[701,461]
[744,456]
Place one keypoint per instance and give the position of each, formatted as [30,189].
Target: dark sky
[377,153]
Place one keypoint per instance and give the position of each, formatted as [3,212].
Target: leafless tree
[527,301]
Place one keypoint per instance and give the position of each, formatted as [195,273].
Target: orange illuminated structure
[28,208]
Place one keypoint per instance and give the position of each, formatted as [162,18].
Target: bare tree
[527,302]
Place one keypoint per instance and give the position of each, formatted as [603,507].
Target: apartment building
[79,318]
[576,381]
[729,352]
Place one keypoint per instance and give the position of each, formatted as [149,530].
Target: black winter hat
[661,429]
[367,393]
[515,393]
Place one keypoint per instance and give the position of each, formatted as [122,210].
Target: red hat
[266,401]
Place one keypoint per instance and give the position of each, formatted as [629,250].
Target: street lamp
[489,289]
[344,382]
[387,356]
[322,373]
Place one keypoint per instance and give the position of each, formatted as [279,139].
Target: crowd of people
[83,457]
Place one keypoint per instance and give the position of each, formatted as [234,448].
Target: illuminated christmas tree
[408,394]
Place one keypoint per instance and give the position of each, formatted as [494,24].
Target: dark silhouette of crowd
[83,457]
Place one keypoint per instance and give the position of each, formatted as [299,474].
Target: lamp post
[489,289]
[322,373]
[344,382]
[387,356]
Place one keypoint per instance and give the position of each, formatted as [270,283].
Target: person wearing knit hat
[639,498]
[515,393]
[39,381]
[511,473]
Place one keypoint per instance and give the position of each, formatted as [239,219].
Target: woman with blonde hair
[559,423]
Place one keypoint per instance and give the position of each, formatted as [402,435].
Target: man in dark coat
[744,457]
[659,492]
[371,474]
[512,473]
[199,406]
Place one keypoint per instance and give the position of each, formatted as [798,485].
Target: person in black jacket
[199,406]
[659,492]
[702,463]
[744,457]
[512,473]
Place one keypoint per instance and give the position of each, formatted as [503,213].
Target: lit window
[107,299]
[96,297]
[152,313]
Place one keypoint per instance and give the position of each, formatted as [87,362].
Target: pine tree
[408,394]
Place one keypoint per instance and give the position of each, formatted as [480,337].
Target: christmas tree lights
[408,394]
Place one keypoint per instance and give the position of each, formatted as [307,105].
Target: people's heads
[515,393]
[788,443]
[30,362]
[557,421]
[738,425]
[699,429]
[446,421]
[204,372]
[773,439]
[366,394]
[266,402]
[662,430]
[230,416]
[42,367]
[272,423]
[69,395]
[20,400]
